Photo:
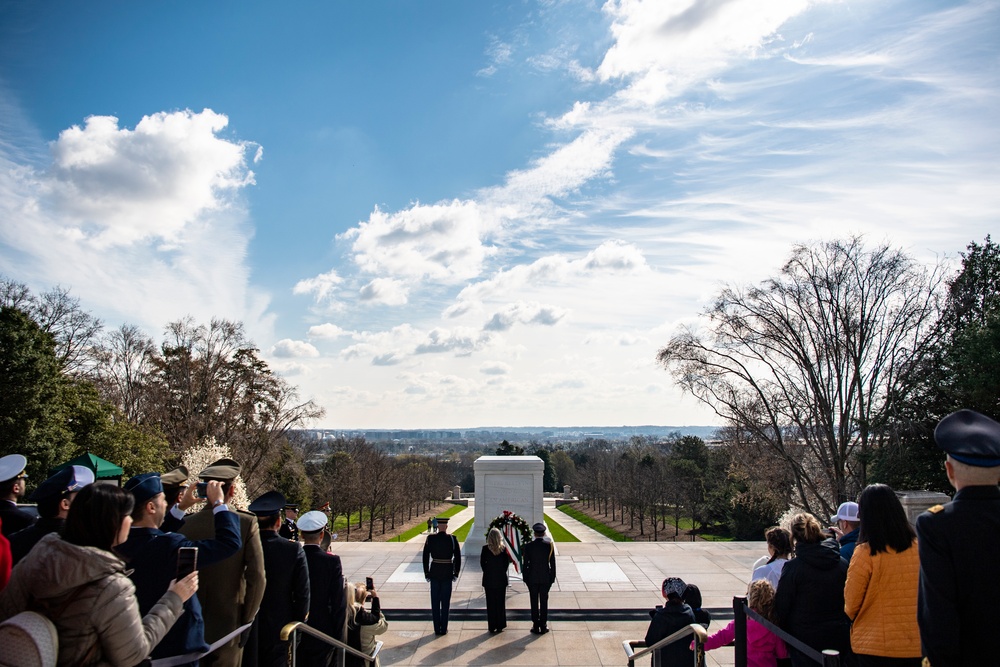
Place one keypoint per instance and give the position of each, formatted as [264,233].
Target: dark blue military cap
[970,437]
[67,480]
[269,504]
[145,486]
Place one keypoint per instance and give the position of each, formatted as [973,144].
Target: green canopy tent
[103,470]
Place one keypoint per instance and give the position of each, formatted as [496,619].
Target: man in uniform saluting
[959,543]
[442,563]
[231,590]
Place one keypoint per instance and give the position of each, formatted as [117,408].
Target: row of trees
[832,374]
[69,386]
[365,483]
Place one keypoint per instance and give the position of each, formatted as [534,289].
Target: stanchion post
[740,616]
[831,658]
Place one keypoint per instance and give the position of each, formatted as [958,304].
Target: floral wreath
[515,533]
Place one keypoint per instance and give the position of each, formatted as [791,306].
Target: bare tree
[808,363]
[123,369]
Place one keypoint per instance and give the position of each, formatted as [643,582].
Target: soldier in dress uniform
[959,543]
[288,529]
[53,498]
[286,598]
[151,554]
[327,600]
[12,481]
[442,563]
[174,483]
[230,590]
[539,557]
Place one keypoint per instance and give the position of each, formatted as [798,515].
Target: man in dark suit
[53,498]
[230,591]
[327,601]
[442,563]
[959,580]
[151,554]
[12,482]
[286,598]
[539,574]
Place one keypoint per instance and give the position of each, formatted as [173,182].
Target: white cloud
[665,47]
[524,313]
[327,331]
[495,368]
[384,291]
[116,186]
[323,286]
[288,348]
[144,225]
[499,53]
[461,341]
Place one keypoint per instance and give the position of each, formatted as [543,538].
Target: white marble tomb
[511,483]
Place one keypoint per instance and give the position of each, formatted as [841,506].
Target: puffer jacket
[809,603]
[881,598]
[104,613]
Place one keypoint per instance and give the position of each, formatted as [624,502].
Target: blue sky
[453,214]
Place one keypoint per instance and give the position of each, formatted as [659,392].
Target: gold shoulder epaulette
[935,509]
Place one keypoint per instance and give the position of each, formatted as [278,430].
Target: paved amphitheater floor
[601,597]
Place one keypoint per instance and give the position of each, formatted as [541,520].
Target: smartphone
[369,583]
[201,490]
[187,561]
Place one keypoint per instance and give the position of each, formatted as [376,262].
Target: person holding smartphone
[152,555]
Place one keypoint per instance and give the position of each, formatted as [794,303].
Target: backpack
[29,640]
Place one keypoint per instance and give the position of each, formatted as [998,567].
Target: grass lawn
[463,531]
[593,523]
[559,534]
[422,526]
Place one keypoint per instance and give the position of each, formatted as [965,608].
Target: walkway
[613,584]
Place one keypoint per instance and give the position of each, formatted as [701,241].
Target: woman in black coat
[494,561]
[809,602]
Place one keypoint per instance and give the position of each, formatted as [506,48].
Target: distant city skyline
[452,214]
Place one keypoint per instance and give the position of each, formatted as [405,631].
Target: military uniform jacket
[230,591]
[286,597]
[13,519]
[442,556]
[960,578]
[289,530]
[327,602]
[23,541]
[151,554]
[539,562]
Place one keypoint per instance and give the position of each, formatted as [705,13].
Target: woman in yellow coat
[880,596]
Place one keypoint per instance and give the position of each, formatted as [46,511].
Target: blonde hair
[760,598]
[356,595]
[494,540]
[806,528]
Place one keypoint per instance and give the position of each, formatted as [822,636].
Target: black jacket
[494,568]
[25,539]
[809,602]
[327,603]
[539,562]
[960,578]
[286,595]
[667,620]
[13,518]
[442,556]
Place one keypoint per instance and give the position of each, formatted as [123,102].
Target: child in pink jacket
[763,647]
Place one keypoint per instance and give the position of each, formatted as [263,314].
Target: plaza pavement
[602,596]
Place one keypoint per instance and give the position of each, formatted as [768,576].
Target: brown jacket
[881,598]
[230,591]
[104,613]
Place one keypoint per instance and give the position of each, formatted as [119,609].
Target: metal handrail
[741,612]
[631,644]
[291,629]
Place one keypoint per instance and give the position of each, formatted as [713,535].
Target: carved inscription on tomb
[510,492]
